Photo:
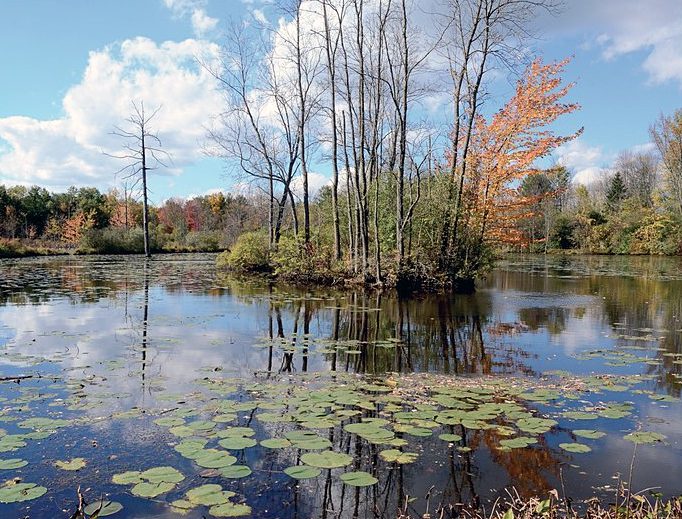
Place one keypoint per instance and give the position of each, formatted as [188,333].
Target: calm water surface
[112,344]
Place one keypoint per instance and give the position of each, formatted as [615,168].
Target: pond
[173,390]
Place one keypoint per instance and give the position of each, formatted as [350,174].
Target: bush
[114,240]
[249,254]
[305,263]
[205,241]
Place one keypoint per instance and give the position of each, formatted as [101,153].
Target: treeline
[634,207]
[88,220]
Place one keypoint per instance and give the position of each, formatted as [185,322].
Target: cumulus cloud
[202,23]
[620,27]
[69,150]
[586,161]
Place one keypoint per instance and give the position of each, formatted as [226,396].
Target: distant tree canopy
[634,207]
[210,222]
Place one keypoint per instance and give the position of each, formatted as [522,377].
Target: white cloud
[202,23]
[316,181]
[619,27]
[260,17]
[66,151]
[586,161]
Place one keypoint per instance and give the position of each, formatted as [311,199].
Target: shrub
[206,241]
[299,262]
[114,240]
[249,254]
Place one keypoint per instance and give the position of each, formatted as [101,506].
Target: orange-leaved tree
[505,150]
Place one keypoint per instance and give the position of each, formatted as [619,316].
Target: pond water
[557,373]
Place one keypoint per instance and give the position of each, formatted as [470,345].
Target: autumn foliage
[506,149]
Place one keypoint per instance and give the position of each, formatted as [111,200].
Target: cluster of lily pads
[305,420]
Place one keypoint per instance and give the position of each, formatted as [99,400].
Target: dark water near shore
[113,343]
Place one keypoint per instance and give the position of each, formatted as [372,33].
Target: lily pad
[162,475]
[359,479]
[230,510]
[237,442]
[127,478]
[13,463]
[104,508]
[17,492]
[73,465]
[208,495]
[326,459]
[302,472]
[146,489]
[214,459]
[642,437]
[276,443]
[577,448]
[450,437]
[235,471]
[399,457]
[591,434]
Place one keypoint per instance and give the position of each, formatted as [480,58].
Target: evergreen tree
[616,193]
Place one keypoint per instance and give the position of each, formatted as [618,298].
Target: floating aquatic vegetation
[103,508]
[326,459]
[150,483]
[13,492]
[359,479]
[578,448]
[641,437]
[72,465]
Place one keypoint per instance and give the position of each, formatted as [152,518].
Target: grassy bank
[25,249]
[628,506]
[36,248]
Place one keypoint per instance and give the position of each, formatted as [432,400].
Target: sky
[69,70]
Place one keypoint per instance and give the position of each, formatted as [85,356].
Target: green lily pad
[535,425]
[13,463]
[450,437]
[74,464]
[214,459]
[104,508]
[399,457]
[642,437]
[237,442]
[191,448]
[326,459]
[276,443]
[579,415]
[162,475]
[14,493]
[182,505]
[169,421]
[208,495]
[577,448]
[130,477]
[359,479]
[302,472]
[591,434]
[235,471]
[146,489]
[517,443]
[230,510]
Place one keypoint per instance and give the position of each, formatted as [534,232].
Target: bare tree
[666,134]
[142,147]
[261,143]
[639,174]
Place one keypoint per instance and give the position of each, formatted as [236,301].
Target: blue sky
[71,67]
